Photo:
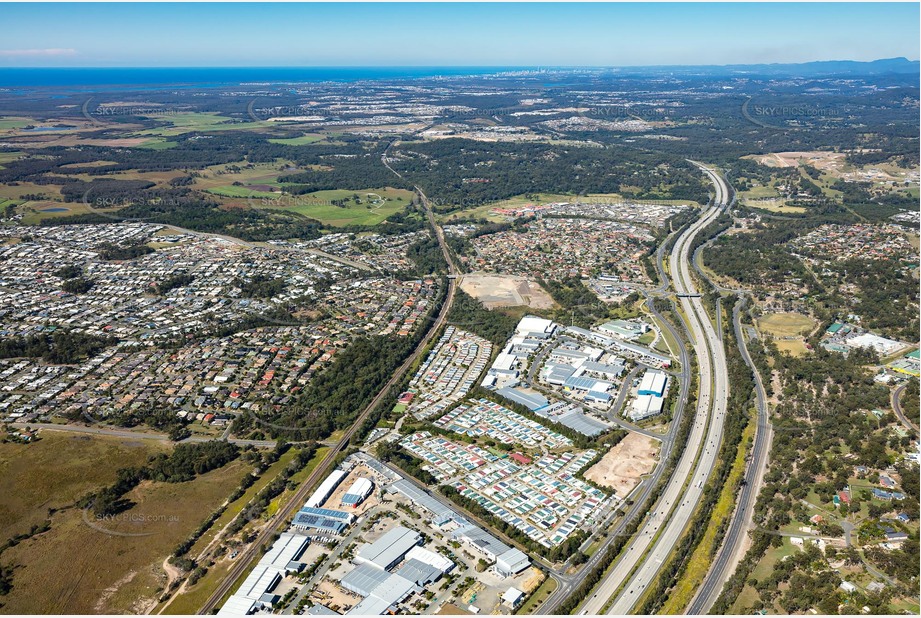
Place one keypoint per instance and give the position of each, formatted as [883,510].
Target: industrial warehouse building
[645,406]
[256,591]
[383,590]
[572,416]
[363,579]
[322,519]
[326,488]
[653,383]
[534,327]
[624,328]
[512,562]
[590,335]
[357,493]
[390,549]
[430,558]
[509,560]
[384,596]
[532,401]
[650,400]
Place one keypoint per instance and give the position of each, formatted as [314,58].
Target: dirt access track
[505,291]
[625,464]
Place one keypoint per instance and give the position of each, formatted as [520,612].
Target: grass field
[157,144]
[101,163]
[787,330]
[58,470]
[749,595]
[13,123]
[795,347]
[303,140]
[78,569]
[766,197]
[6,157]
[372,209]
[107,573]
[237,191]
[34,212]
[195,121]
[786,324]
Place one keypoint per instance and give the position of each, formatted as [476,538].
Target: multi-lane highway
[644,556]
[731,551]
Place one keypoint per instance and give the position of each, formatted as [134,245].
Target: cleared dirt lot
[622,467]
[506,291]
[818,159]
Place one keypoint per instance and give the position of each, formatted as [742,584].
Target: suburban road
[138,435]
[294,504]
[897,408]
[643,557]
[731,552]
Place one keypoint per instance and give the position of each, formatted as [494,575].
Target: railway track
[285,513]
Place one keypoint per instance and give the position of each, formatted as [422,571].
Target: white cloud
[53,51]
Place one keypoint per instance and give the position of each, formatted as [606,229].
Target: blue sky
[352,34]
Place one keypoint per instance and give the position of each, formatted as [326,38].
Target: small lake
[55,210]
[47,129]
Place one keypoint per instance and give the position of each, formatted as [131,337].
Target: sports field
[787,330]
[786,324]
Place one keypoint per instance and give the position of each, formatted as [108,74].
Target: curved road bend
[645,554]
[897,408]
[280,519]
[730,553]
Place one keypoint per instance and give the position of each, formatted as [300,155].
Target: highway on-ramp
[643,557]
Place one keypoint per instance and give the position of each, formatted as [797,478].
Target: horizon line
[452,66]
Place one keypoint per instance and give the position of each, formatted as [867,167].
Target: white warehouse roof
[237,606]
[534,324]
[511,562]
[652,382]
[287,549]
[326,487]
[645,406]
[389,549]
[430,558]
[359,490]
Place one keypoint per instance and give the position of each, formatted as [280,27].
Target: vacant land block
[506,291]
[624,465]
[57,470]
[113,566]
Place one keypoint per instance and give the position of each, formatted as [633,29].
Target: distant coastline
[221,76]
[142,78]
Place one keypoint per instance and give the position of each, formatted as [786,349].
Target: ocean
[219,76]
